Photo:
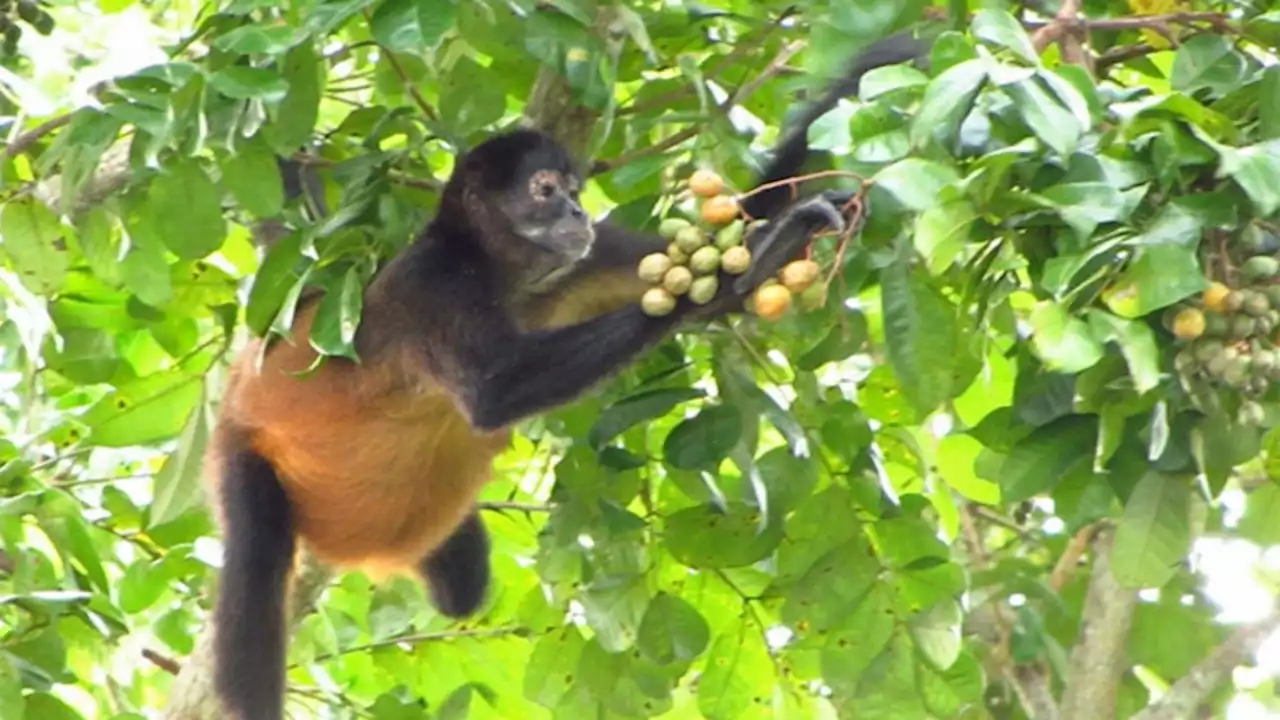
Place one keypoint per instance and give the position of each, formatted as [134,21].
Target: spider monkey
[510,302]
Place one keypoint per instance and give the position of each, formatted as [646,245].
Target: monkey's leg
[457,572]
[249,614]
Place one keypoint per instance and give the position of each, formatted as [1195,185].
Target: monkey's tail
[793,144]
[249,615]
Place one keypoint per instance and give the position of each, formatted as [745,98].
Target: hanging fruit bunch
[1230,332]
[700,250]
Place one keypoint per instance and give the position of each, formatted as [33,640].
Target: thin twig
[1070,557]
[519,506]
[517,630]
[420,101]
[692,131]
[164,662]
[24,141]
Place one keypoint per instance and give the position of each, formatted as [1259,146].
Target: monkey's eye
[546,190]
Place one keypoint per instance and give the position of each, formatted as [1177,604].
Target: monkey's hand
[775,244]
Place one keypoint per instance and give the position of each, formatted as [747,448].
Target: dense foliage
[1042,371]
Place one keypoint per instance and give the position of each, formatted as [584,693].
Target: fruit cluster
[698,252]
[1230,334]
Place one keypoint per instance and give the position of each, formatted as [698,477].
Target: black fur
[250,615]
[457,573]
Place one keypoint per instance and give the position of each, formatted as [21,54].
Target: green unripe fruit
[1264,325]
[690,239]
[730,235]
[677,280]
[1260,266]
[1241,327]
[1206,349]
[704,289]
[653,267]
[1256,304]
[1236,373]
[705,261]
[1216,325]
[1233,302]
[1273,294]
[657,302]
[670,227]
[678,256]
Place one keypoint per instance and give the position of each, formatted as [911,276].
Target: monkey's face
[545,211]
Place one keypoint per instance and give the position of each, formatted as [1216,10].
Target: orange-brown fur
[378,461]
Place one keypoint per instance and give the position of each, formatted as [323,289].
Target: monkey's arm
[510,375]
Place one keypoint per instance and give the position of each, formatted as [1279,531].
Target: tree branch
[1029,682]
[1097,660]
[775,65]
[23,142]
[1200,681]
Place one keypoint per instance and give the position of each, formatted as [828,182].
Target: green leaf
[737,669]
[470,97]
[672,631]
[941,232]
[821,598]
[177,486]
[704,440]
[278,274]
[435,18]
[999,28]
[1042,459]
[1137,343]
[147,410]
[146,274]
[12,706]
[1154,531]
[333,331]
[297,113]
[1256,169]
[936,633]
[1045,116]
[956,457]
[916,183]
[549,673]
[627,412]
[1063,342]
[241,82]
[256,40]
[890,79]
[853,646]
[920,335]
[48,707]
[253,179]
[703,536]
[1269,107]
[1206,61]
[947,101]
[1161,276]
[184,207]
[32,240]
[1261,521]
[395,25]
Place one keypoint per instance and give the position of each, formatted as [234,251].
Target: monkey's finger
[785,237]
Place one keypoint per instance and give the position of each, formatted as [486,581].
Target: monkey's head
[519,194]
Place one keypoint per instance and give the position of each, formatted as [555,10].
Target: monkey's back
[377,460]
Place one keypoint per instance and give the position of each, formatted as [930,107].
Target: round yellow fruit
[705,260]
[653,267]
[657,302]
[799,275]
[706,183]
[1188,324]
[736,260]
[771,301]
[704,289]
[1215,297]
[720,210]
[677,280]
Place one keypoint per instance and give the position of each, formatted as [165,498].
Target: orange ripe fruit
[1215,297]
[720,209]
[799,275]
[705,183]
[771,301]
